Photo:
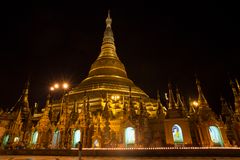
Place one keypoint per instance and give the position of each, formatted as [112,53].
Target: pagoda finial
[108,20]
[109,13]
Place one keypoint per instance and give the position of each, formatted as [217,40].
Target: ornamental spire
[171,100]
[238,87]
[201,98]
[160,110]
[22,102]
[236,97]
[226,111]
[180,103]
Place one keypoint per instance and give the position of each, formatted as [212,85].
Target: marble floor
[112,158]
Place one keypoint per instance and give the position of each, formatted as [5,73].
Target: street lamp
[58,86]
[52,88]
[63,87]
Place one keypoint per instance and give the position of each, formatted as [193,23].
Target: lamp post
[57,86]
[62,121]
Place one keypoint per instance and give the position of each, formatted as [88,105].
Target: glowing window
[216,136]
[177,134]
[76,138]
[56,139]
[129,135]
[35,137]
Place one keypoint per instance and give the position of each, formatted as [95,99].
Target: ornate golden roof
[108,73]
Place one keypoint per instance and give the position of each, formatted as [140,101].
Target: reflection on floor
[112,158]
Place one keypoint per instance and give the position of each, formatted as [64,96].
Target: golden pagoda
[110,96]
[108,110]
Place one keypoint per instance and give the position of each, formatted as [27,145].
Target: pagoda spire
[108,49]
[236,97]
[48,100]
[180,103]
[44,123]
[191,106]
[171,100]
[22,102]
[201,98]
[226,111]
[160,110]
[25,95]
[238,87]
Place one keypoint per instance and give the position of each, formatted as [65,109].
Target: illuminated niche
[76,138]
[177,134]
[56,138]
[34,137]
[129,136]
[216,136]
[96,144]
[16,139]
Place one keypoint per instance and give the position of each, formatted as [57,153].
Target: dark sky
[168,42]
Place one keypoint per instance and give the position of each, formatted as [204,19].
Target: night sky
[157,45]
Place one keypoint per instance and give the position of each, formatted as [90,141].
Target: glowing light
[16,139]
[115,97]
[65,86]
[195,103]
[56,85]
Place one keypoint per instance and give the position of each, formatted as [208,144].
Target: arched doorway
[129,136]
[177,134]
[76,138]
[56,139]
[34,137]
[216,136]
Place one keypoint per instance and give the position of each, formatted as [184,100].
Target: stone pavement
[13,157]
